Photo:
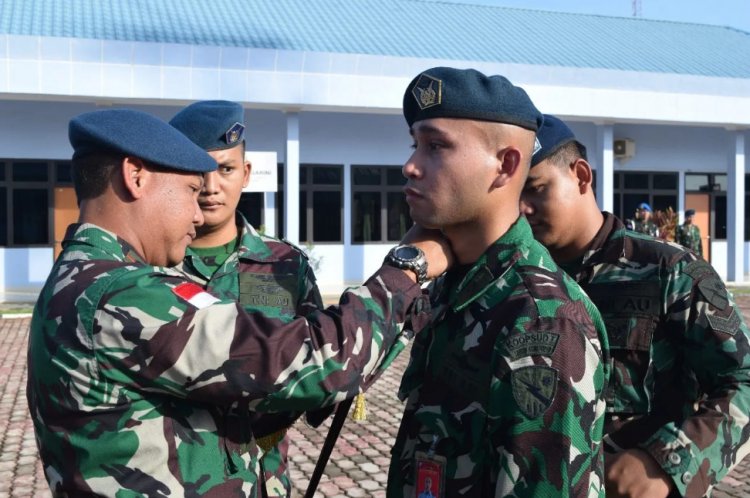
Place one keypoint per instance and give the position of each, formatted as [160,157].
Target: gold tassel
[265,443]
[360,408]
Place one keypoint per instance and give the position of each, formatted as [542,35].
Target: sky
[733,13]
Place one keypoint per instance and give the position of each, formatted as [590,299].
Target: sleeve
[548,441]
[148,336]
[713,341]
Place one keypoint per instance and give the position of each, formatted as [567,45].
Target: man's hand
[635,474]
[436,249]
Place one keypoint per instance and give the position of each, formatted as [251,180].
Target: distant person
[689,235]
[643,222]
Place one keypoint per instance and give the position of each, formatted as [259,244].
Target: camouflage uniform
[680,384]
[271,277]
[132,372]
[689,236]
[647,227]
[508,381]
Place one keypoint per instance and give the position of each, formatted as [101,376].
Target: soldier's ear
[584,176]
[248,168]
[508,165]
[134,176]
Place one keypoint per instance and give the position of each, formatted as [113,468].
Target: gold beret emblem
[427,91]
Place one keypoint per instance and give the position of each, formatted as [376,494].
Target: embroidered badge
[532,343]
[534,389]
[264,291]
[709,283]
[235,133]
[537,146]
[195,295]
[427,91]
[728,325]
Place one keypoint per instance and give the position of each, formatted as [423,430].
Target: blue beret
[644,206]
[212,124]
[690,212]
[446,92]
[136,134]
[551,136]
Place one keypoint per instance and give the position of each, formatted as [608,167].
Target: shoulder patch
[534,389]
[709,283]
[295,247]
[531,343]
[729,325]
[195,295]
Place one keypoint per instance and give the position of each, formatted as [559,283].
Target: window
[320,203]
[379,209]
[715,187]
[26,193]
[630,189]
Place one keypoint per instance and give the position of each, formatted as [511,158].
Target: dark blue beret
[690,212]
[446,92]
[136,134]
[551,136]
[644,206]
[212,124]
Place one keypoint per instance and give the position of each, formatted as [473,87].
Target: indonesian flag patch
[195,295]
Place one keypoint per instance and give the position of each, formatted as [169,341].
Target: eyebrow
[426,128]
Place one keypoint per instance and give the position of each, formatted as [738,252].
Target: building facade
[664,123]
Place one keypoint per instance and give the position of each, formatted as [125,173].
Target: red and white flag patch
[195,295]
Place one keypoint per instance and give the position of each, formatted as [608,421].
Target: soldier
[643,223]
[679,394]
[504,390]
[132,367]
[689,235]
[232,260]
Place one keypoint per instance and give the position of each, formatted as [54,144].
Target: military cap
[645,206]
[552,135]
[446,92]
[212,124]
[136,134]
[689,212]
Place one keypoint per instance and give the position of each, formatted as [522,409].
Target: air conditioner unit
[624,148]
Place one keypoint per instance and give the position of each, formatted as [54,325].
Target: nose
[198,218]
[210,183]
[526,207]
[410,170]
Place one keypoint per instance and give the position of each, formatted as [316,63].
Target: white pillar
[269,213]
[736,207]
[680,196]
[605,160]
[347,205]
[291,180]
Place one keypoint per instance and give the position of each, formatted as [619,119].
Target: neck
[215,236]
[588,223]
[106,212]
[469,240]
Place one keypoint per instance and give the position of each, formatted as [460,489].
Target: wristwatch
[410,258]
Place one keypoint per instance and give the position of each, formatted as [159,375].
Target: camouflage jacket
[507,382]
[680,384]
[689,236]
[647,227]
[131,368]
[268,276]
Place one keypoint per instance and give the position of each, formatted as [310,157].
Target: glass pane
[395,177]
[326,211]
[366,217]
[251,205]
[666,181]
[280,175]
[636,180]
[399,220]
[366,176]
[303,217]
[303,174]
[617,180]
[30,172]
[720,217]
[280,214]
[326,175]
[63,172]
[747,214]
[30,217]
[696,182]
[617,206]
[662,202]
[721,181]
[2,171]
[3,216]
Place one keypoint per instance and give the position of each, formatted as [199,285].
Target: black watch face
[407,252]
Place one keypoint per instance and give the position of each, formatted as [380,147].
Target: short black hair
[92,173]
[568,153]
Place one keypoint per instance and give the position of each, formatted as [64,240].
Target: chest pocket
[275,295]
[631,313]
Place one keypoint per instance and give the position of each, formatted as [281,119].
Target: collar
[104,240]
[608,239]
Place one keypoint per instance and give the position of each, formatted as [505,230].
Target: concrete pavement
[358,465]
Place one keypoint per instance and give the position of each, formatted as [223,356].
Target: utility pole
[636,8]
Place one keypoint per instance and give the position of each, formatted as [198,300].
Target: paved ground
[357,468]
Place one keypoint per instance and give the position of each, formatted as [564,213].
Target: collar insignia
[428,91]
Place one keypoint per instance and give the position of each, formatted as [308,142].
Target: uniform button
[674,458]
[687,477]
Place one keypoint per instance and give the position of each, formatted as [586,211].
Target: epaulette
[296,247]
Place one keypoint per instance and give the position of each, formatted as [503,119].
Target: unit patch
[709,283]
[427,91]
[234,134]
[264,290]
[729,325]
[532,343]
[534,389]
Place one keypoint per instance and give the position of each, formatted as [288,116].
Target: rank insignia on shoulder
[427,91]
[235,133]
[195,295]
[534,389]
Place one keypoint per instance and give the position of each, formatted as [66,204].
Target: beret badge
[234,133]
[427,91]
